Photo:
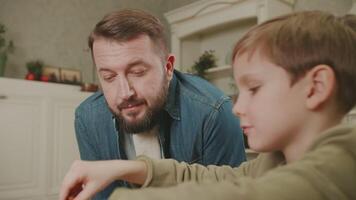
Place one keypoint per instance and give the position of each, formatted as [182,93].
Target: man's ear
[169,67]
[321,86]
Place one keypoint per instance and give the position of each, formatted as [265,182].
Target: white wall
[56,31]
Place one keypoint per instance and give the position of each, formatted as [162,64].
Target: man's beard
[150,118]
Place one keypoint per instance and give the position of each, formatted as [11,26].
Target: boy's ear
[321,85]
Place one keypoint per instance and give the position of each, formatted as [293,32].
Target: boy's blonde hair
[300,41]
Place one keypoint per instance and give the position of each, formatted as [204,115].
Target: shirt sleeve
[196,182]
[327,171]
[168,172]
[245,188]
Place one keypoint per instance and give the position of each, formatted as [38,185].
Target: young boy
[296,76]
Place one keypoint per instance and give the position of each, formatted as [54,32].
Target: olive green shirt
[327,171]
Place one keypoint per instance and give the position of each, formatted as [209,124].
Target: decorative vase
[3,59]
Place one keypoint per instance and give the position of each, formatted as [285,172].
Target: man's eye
[108,78]
[138,72]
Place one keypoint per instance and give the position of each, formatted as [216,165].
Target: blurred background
[46,41]
[56,32]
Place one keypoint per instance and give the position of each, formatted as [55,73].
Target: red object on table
[30,76]
[44,78]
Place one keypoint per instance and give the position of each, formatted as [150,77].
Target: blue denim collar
[172,104]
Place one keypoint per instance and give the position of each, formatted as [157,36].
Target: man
[146,106]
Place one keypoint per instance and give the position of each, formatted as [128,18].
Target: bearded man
[148,108]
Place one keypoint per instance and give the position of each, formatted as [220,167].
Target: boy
[296,76]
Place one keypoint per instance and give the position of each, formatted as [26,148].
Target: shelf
[222,78]
[216,25]
[350,118]
[218,69]
[352,112]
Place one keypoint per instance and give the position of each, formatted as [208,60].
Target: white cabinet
[217,25]
[37,139]
[353,8]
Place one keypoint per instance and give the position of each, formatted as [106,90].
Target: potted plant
[206,61]
[34,69]
[5,48]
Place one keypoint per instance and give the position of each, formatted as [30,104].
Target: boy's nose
[238,108]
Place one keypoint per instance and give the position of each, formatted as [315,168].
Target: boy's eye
[253,90]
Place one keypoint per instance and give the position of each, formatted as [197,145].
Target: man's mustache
[130,103]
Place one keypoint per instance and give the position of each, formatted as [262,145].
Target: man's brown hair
[300,41]
[124,25]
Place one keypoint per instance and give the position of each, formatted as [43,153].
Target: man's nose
[125,89]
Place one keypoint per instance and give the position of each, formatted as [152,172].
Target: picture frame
[71,76]
[52,73]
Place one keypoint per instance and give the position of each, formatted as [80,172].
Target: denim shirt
[197,127]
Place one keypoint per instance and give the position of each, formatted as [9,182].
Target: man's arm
[223,139]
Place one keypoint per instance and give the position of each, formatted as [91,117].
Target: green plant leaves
[4,46]
[206,61]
